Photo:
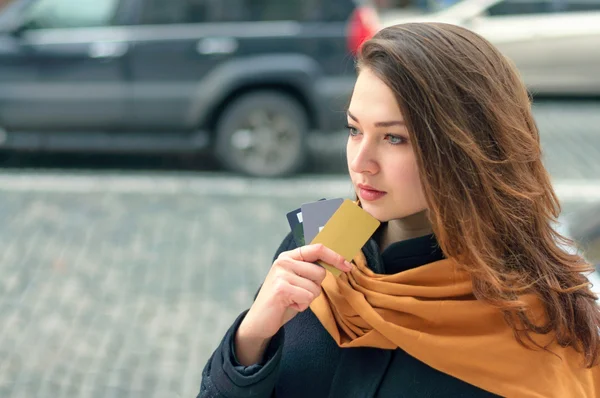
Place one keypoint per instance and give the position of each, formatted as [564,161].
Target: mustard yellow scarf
[431,313]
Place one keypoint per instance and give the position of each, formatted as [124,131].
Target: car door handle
[217,45]
[108,49]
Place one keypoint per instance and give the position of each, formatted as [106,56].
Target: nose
[362,157]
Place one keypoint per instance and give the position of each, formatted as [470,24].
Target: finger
[313,272]
[297,295]
[306,284]
[295,254]
[300,307]
[313,253]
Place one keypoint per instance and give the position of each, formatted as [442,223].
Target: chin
[376,211]
[385,214]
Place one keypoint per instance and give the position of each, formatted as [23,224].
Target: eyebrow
[379,124]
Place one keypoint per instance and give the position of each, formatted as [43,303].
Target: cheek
[405,173]
[407,184]
[414,178]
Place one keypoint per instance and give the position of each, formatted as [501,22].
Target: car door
[175,45]
[516,27]
[182,46]
[572,33]
[63,67]
[552,42]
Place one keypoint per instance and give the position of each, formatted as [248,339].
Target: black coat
[303,361]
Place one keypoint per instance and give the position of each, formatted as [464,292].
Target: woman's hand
[289,288]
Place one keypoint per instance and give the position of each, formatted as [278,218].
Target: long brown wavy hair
[491,202]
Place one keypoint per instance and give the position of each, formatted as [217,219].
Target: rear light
[363,24]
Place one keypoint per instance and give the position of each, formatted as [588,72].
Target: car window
[525,7]
[198,11]
[521,7]
[581,5]
[51,14]
[273,10]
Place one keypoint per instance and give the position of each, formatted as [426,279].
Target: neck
[410,227]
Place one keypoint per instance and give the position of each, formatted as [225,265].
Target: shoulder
[288,243]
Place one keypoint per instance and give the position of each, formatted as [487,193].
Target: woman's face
[381,161]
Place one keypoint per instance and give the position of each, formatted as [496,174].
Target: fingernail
[348,265]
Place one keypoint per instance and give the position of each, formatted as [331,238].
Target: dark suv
[247,79]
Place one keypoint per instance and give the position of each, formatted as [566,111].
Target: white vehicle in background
[554,43]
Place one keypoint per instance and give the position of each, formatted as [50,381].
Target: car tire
[263,134]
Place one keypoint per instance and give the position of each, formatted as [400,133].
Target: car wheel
[263,134]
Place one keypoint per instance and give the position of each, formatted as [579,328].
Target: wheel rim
[266,142]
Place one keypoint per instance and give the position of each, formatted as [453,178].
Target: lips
[368,193]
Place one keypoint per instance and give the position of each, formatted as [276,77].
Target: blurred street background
[150,150]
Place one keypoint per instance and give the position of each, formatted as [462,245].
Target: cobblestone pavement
[122,285]
[125,294]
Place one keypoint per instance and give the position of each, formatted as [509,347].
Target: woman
[464,291]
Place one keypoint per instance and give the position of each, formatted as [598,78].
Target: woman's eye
[352,131]
[395,139]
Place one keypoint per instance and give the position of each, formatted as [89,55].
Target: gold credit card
[346,232]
